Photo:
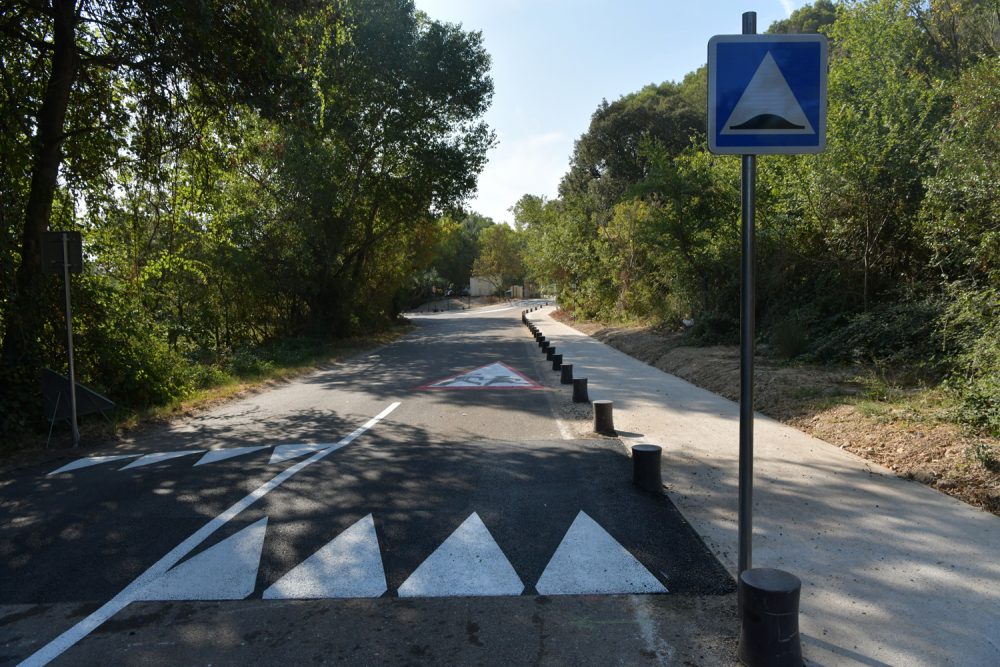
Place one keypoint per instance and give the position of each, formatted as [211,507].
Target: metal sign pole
[69,344]
[748,184]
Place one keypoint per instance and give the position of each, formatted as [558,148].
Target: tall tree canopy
[241,170]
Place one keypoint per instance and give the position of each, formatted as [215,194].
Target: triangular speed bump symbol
[150,459]
[216,455]
[287,452]
[349,566]
[497,375]
[589,561]
[768,105]
[226,571]
[468,563]
[92,461]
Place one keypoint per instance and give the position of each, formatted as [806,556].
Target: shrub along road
[419,502]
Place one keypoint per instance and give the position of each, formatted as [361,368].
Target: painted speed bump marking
[150,459]
[227,571]
[497,375]
[287,452]
[216,455]
[468,563]
[92,461]
[349,566]
[590,561]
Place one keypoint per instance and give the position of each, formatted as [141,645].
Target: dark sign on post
[52,252]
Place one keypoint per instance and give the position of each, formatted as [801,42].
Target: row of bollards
[769,599]
[603,425]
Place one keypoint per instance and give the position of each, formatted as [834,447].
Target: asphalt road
[401,507]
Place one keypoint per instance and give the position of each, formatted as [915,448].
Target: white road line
[130,594]
[564,429]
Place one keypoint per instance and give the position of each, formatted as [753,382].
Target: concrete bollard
[646,468]
[604,422]
[549,352]
[556,361]
[566,376]
[580,391]
[769,630]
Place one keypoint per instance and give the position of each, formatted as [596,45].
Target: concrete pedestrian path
[893,572]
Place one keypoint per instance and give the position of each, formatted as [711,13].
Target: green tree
[867,186]
[397,137]
[607,159]
[75,50]
[500,256]
[811,18]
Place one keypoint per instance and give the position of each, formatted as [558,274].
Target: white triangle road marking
[468,563]
[91,461]
[150,459]
[226,571]
[768,105]
[589,561]
[497,375]
[349,566]
[287,452]
[216,455]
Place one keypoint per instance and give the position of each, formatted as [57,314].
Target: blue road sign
[767,94]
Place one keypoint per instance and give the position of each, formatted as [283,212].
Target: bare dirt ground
[908,435]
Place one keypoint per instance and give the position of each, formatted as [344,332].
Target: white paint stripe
[216,455]
[349,566]
[63,642]
[589,561]
[91,461]
[150,459]
[469,562]
[288,452]
[227,571]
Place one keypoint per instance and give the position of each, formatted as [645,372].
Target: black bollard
[646,468]
[549,352]
[556,361]
[580,391]
[604,422]
[769,632]
[566,377]
[542,341]
[544,345]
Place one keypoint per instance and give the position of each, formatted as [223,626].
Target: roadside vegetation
[878,283]
[879,255]
[253,182]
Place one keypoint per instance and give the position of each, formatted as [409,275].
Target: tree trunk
[21,357]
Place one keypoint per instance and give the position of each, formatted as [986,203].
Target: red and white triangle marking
[497,375]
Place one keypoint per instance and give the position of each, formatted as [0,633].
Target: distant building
[483,285]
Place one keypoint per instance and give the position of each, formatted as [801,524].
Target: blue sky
[555,60]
